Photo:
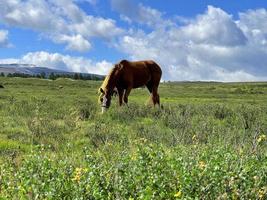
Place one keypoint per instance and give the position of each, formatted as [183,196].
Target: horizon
[193,41]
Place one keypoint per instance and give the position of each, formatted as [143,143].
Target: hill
[33,70]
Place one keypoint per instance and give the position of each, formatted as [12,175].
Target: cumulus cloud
[131,11]
[62,62]
[104,29]
[214,27]
[75,43]
[58,19]
[254,25]
[36,15]
[212,46]
[4,38]
[254,20]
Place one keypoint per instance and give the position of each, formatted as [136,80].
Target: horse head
[105,98]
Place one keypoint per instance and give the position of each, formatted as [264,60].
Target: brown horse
[127,75]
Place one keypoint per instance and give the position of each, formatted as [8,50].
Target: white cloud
[4,39]
[58,19]
[254,25]
[213,46]
[75,43]
[62,62]
[37,15]
[254,20]
[131,11]
[214,27]
[103,28]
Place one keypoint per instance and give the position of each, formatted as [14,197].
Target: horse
[127,75]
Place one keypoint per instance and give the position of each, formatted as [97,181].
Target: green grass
[207,142]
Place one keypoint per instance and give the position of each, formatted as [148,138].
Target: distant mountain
[34,70]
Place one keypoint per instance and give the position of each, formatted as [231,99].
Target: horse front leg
[120,91]
[126,94]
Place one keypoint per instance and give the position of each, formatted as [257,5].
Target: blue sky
[220,40]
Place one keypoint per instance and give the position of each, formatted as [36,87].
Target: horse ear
[120,66]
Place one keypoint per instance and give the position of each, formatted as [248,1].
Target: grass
[208,142]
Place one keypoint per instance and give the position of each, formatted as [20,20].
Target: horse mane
[107,79]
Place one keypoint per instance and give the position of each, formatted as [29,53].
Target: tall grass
[208,141]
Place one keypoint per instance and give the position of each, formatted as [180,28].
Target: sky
[209,40]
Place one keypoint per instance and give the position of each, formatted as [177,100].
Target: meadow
[208,141]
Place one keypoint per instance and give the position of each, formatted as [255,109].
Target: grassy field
[207,142]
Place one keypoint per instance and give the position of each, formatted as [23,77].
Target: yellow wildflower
[261,138]
[76,178]
[202,165]
[178,194]
[194,137]
[78,170]
[235,194]
[225,196]
[133,157]
[77,174]
[262,193]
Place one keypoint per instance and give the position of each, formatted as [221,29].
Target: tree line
[54,76]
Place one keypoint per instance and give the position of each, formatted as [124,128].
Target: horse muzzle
[104,109]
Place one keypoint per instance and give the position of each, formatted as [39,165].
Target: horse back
[139,73]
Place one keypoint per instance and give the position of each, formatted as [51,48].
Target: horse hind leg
[149,86]
[155,99]
[153,89]
[155,96]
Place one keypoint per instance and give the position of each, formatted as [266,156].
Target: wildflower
[262,192]
[256,178]
[194,137]
[224,196]
[78,170]
[261,138]
[77,174]
[178,194]
[235,194]
[201,164]
[232,181]
[133,157]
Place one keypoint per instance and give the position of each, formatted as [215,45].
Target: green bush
[146,172]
